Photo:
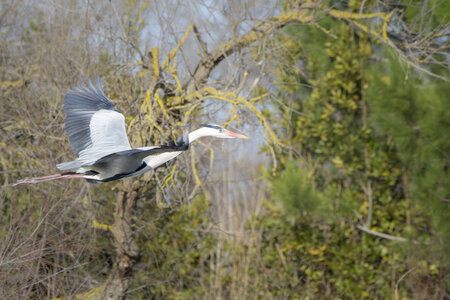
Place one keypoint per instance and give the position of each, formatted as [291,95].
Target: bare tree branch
[260,30]
[382,235]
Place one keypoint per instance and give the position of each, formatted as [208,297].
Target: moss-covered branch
[210,60]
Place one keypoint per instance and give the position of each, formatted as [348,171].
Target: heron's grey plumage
[96,131]
[80,106]
[94,126]
[125,163]
[70,165]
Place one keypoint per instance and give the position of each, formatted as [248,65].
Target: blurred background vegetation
[343,192]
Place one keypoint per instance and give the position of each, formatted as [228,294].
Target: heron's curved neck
[197,134]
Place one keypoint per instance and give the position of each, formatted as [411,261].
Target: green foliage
[176,249]
[308,259]
[374,145]
[414,114]
[295,188]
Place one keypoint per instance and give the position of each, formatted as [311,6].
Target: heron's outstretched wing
[135,156]
[94,126]
[131,162]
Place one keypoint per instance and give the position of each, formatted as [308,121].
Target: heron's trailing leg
[34,180]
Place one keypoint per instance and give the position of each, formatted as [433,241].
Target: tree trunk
[126,248]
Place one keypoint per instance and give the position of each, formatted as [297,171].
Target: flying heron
[96,131]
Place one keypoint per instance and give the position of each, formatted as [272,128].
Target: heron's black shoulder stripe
[118,176]
[211,126]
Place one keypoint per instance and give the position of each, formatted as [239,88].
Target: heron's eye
[221,130]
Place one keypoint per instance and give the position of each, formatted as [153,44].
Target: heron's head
[220,132]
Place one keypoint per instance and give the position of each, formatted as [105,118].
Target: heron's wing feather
[139,154]
[93,124]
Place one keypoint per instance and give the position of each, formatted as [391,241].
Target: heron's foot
[34,180]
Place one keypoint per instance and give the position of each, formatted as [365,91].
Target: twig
[324,30]
[203,45]
[368,191]
[398,282]
[361,8]
[382,235]
[125,36]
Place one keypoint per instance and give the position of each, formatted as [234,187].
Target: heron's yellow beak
[236,135]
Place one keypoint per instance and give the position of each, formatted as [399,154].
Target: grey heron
[96,131]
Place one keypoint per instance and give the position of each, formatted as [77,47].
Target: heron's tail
[34,180]
[71,165]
